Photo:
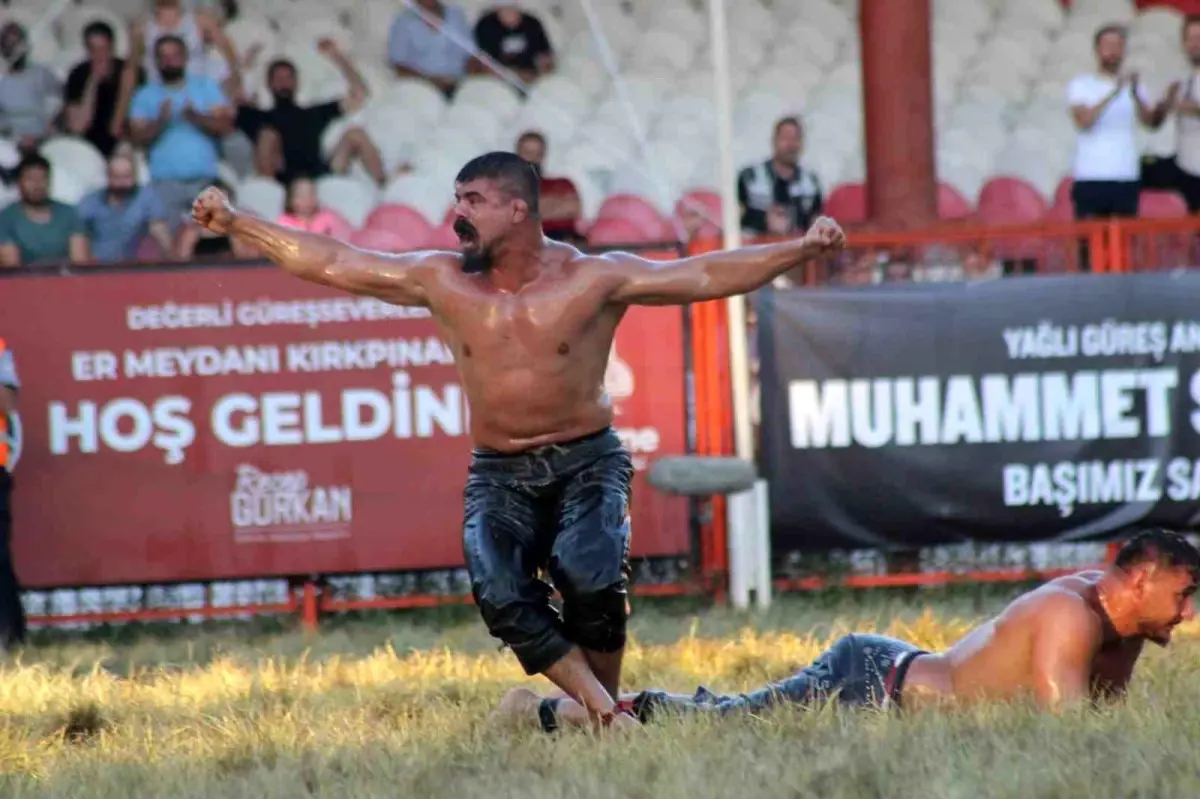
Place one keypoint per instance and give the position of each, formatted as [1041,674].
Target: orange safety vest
[4,448]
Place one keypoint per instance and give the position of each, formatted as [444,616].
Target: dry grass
[392,707]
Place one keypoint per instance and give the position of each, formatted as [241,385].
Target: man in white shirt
[1106,107]
[1187,119]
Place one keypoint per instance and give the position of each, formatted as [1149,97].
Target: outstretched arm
[1064,646]
[398,279]
[637,281]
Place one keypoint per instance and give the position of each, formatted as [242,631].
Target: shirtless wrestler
[531,324]
[1072,639]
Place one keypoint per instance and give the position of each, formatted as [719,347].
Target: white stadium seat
[491,93]
[77,156]
[262,196]
[353,199]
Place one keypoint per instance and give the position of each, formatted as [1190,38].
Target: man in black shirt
[778,197]
[515,40]
[90,96]
[287,137]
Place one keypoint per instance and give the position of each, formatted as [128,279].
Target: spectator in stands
[36,229]
[1106,107]
[559,204]
[196,29]
[779,197]
[179,122]
[516,40]
[25,114]
[287,137]
[118,217]
[196,242]
[430,40]
[12,614]
[93,86]
[1187,119]
[304,212]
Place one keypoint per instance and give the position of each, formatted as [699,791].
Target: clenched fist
[826,236]
[212,211]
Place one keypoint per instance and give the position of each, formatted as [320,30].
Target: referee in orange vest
[12,615]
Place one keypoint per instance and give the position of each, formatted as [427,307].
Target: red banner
[235,423]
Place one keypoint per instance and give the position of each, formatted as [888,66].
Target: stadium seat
[952,204]
[77,156]
[700,210]
[491,93]
[1006,200]
[848,203]
[425,193]
[1062,208]
[384,240]
[351,198]
[441,238]
[400,219]
[636,211]
[618,232]
[1161,205]
[262,196]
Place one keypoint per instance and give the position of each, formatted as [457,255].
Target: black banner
[1030,409]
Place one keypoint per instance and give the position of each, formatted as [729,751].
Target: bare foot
[518,708]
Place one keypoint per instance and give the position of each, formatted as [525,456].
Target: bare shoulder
[1062,609]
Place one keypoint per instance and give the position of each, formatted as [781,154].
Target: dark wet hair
[513,173]
[1160,546]
[34,161]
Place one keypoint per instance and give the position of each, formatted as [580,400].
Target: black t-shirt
[300,128]
[106,101]
[515,48]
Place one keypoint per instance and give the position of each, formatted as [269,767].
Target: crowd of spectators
[179,103]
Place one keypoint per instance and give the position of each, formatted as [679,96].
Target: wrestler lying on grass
[1071,640]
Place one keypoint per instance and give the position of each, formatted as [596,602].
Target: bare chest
[544,326]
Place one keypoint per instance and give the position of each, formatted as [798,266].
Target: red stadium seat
[847,203]
[952,204]
[700,213]
[1006,200]
[617,231]
[1063,209]
[1161,205]
[442,238]
[637,211]
[402,219]
[382,240]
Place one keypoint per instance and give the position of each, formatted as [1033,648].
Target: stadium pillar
[897,72]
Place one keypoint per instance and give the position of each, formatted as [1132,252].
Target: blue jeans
[858,670]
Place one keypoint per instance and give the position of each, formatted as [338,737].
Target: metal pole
[742,532]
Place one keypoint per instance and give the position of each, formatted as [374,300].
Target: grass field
[396,706]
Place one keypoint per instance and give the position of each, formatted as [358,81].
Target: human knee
[597,620]
[355,137]
[531,632]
